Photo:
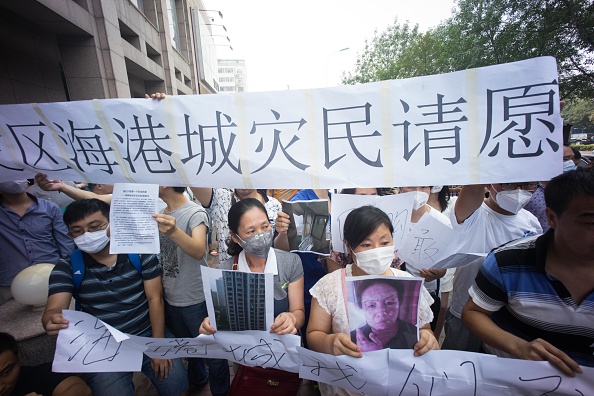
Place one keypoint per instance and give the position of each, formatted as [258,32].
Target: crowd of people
[531,298]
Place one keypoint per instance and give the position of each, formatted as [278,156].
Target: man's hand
[432,274]
[48,185]
[161,368]
[282,222]
[55,324]
[165,223]
[540,349]
[156,95]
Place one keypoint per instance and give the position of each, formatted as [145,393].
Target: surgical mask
[421,199]
[436,189]
[14,187]
[568,166]
[375,261]
[257,245]
[92,242]
[512,200]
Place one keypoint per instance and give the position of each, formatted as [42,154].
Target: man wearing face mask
[31,232]
[483,224]
[537,205]
[123,290]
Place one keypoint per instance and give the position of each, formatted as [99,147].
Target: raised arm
[203,195]
[194,245]
[470,199]
[75,193]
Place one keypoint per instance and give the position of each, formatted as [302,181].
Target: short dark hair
[179,190]
[78,210]
[8,343]
[352,191]
[561,190]
[364,284]
[234,216]
[576,153]
[362,222]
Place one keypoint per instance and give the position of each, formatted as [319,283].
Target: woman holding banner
[251,249]
[368,237]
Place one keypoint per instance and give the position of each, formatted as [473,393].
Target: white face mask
[512,200]
[568,166]
[92,242]
[421,199]
[14,187]
[436,189]
[375,261]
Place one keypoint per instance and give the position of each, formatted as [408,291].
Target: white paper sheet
[234,299]
[429,242]
[132,226]
[87,346]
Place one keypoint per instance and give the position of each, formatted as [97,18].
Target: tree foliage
[486,32]
[579,113]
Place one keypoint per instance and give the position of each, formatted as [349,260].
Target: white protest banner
[367,375]
[238,300]
[87,346]
[474,126]
[132,226]
[456,373]
[429,242]
[397,207]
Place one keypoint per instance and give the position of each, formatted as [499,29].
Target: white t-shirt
[484,230]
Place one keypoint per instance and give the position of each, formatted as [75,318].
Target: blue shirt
[39,236]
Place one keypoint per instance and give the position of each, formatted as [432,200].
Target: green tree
[487,32]
[579,113]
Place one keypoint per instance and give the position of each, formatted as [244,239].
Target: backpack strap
[135,260]
[77,265]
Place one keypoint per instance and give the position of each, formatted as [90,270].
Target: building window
[173,26]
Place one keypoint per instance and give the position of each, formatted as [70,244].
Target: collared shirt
[39,236]
[269,268]
[113,294]
[530,303]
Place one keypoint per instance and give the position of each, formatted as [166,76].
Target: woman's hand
[368,344]
[156,95]
[282,222]
[342,345]
[206,328]
[284,324]
[427,341]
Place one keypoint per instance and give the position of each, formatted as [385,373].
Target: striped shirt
[115,295]
[530,303]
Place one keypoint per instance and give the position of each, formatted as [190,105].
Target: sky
[296,44]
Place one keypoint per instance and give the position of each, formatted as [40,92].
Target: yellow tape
[474,136]
[59,142]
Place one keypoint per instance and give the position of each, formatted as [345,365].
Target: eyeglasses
[94,228]
[523,186]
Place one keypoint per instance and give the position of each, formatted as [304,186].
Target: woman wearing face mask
[251,249]
[368,237]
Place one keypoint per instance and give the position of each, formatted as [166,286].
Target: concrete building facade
[232,75]
[62,50]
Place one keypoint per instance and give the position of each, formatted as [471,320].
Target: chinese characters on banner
[474,126]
